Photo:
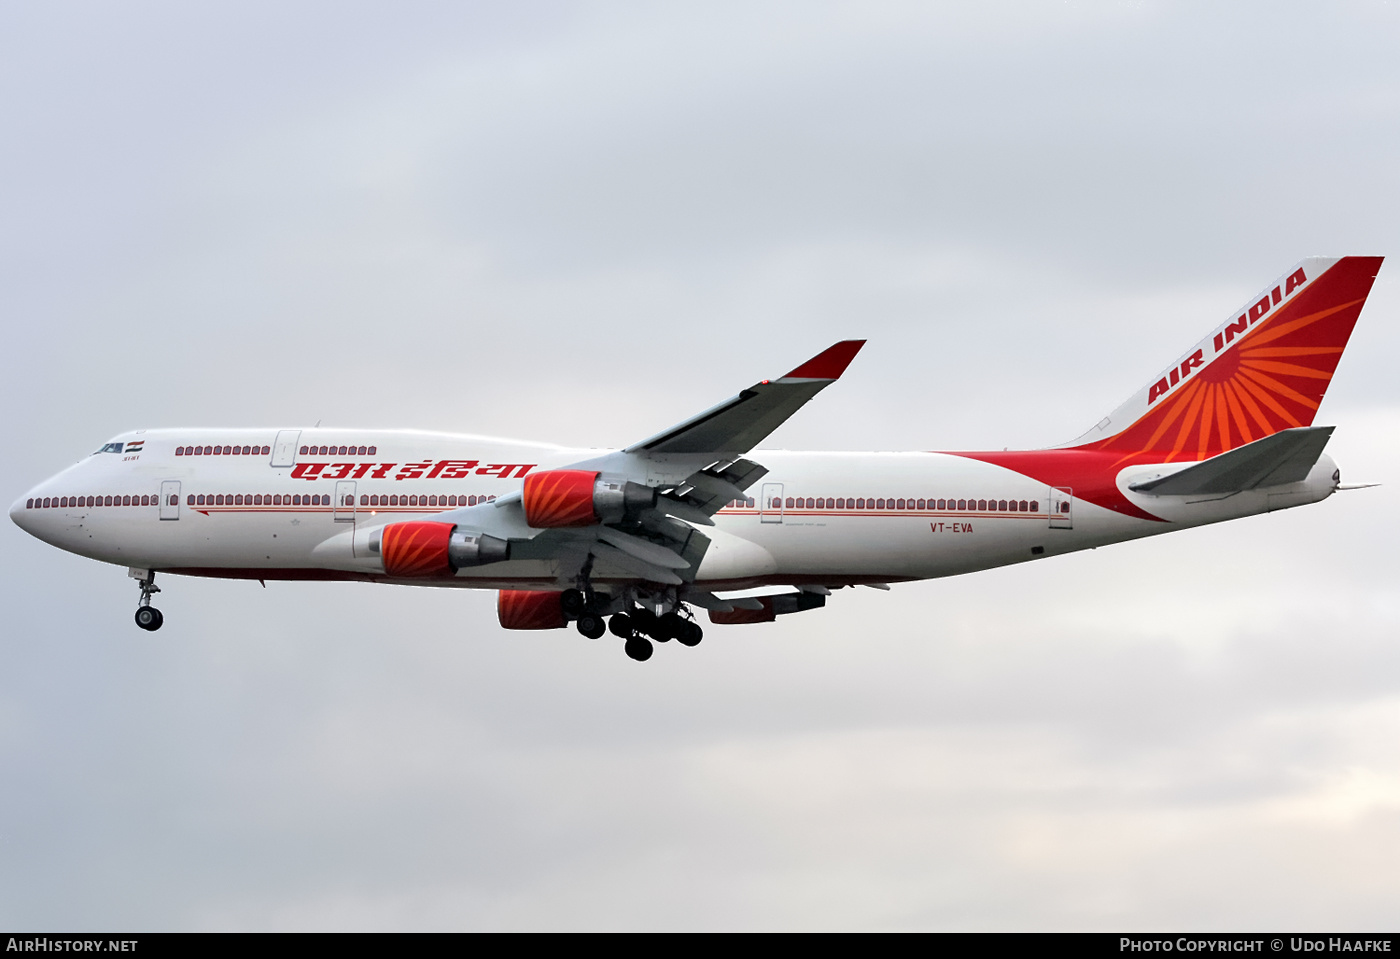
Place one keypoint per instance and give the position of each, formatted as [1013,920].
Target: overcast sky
[581,223]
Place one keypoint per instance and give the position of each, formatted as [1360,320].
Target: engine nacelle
[562,498]
[412,550]
[773,607]
[530,609]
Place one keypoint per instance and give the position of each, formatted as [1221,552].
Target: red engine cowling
[773,607]
[558,498]
[743,617]
[434,549]
[416,549]
[530,609]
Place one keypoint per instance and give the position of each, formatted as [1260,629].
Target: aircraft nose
[18,511]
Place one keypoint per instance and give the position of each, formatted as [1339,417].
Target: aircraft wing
[683,476]
[742,422]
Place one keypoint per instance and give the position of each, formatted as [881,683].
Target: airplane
[633,540]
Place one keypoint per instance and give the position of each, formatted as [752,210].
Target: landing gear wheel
[691,634]
[572,602]
[669,627]
[644,621]
[639,649]
[149,618]
[620,626]
[591,625]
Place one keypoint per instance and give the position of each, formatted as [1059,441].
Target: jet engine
[530,609]
[435,549]
[559,498]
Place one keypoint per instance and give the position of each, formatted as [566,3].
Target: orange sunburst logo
[560,498]
[1271,378]
[416,549]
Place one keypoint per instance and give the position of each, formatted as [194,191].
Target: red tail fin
[1264,370]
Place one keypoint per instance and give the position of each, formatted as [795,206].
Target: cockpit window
[111,448]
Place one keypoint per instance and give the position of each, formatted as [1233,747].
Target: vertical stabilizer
[1264,370]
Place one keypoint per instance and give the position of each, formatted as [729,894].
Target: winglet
[828,364]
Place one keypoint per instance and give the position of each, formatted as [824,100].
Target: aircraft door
[1061,516]
[770,505]
[344,509]
[284,449]
[170,499]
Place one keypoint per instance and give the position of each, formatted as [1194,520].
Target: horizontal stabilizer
[1285,457]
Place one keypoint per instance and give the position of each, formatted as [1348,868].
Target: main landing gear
[635,627]
[584,608]
[147,616]
[635,624]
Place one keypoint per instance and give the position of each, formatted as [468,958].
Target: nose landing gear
[147,616]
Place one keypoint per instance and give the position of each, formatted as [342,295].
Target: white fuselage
[296,512]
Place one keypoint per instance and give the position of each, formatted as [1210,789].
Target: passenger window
[372,450]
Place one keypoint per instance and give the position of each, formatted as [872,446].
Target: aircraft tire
[639,648]
[149,618]
[644,621]
[691,634]
[592,625]
[668,627]
[572,602]
[620,625]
